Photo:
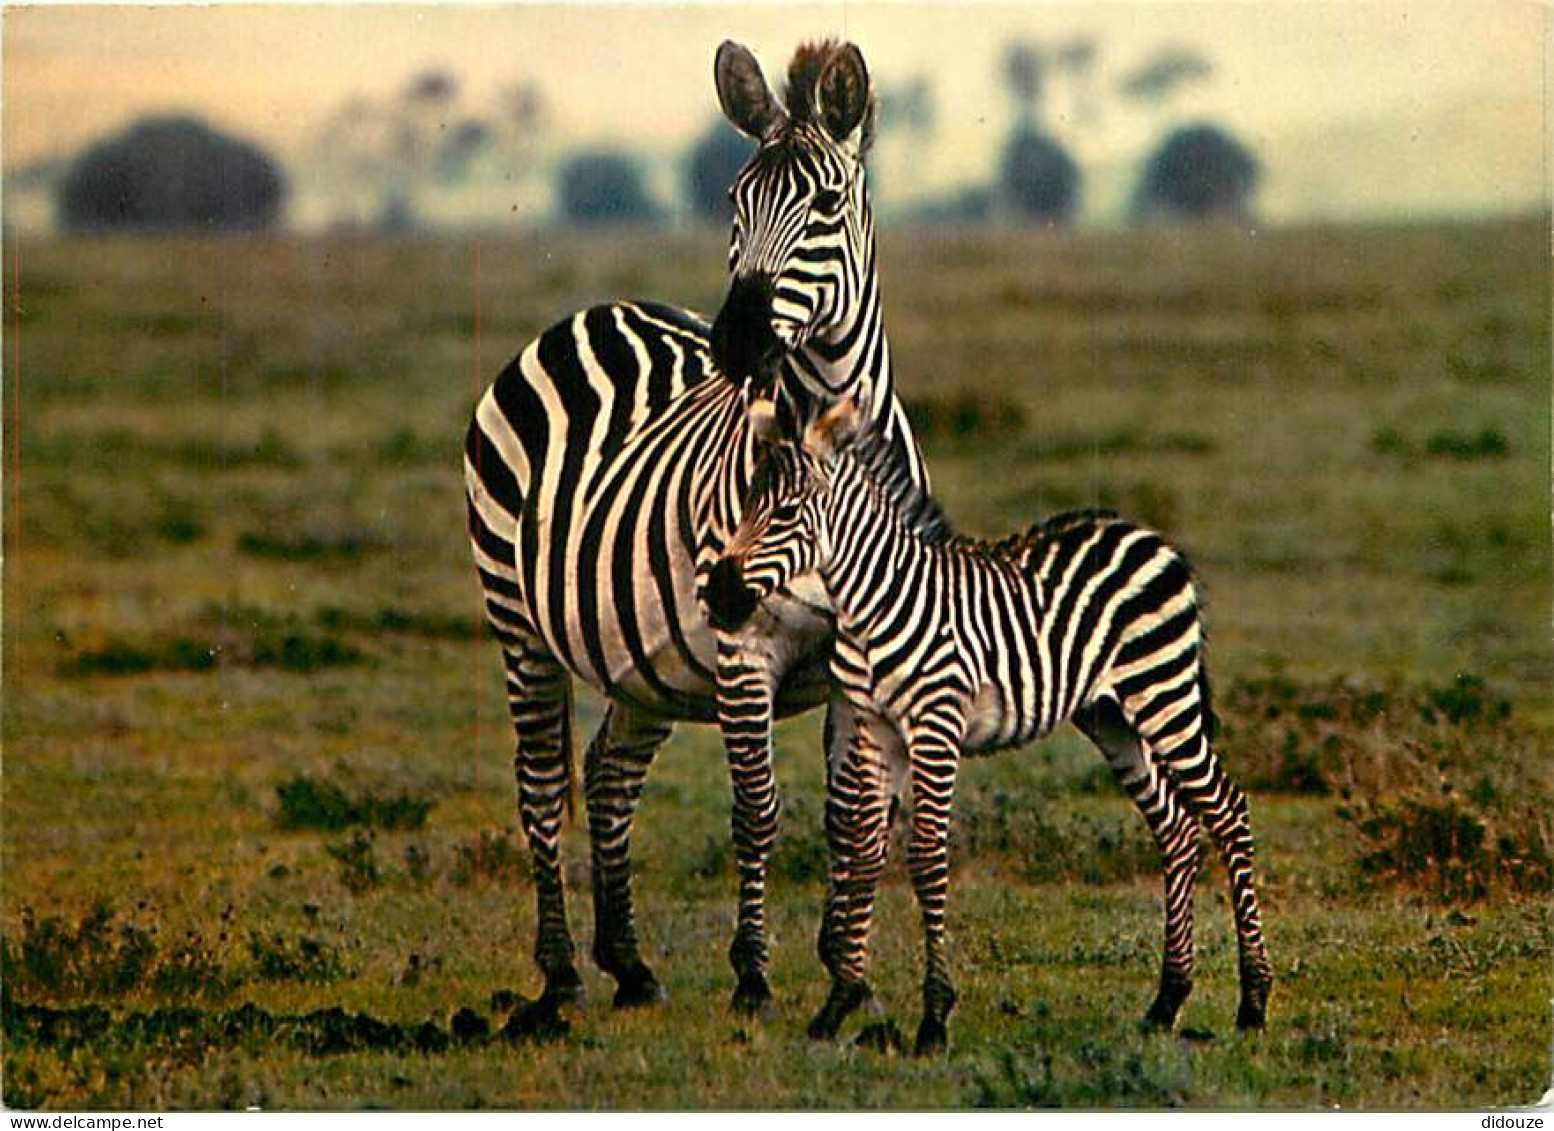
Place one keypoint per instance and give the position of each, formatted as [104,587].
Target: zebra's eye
[828,201]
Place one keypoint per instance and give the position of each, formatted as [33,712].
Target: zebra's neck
[852,358]
[873,546]
[722,504]
[888,539]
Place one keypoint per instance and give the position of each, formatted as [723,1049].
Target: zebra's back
[1118,602]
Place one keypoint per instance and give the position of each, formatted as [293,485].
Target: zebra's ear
[842,93]
[833,430]
[746,99]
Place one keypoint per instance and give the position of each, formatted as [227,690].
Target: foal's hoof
[1167,1004]
[753,997]
[932,1037]
[881,1036]
[844,998]
[1253,1012]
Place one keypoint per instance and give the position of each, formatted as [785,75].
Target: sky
[1357,110]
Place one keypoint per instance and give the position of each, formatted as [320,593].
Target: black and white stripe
[604,470]
[947,645]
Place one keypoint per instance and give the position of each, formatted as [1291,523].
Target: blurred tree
[903,133]
[174,172]
[1076,59]
[1198,172]
[1159,77]
[972,205]
[1024,72]
[909,106]
[714,160]
[1037,178]
[386,157]
[603,186]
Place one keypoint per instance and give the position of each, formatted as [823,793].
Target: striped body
[1088,607]
[946,645]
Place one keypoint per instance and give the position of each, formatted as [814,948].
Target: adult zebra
[947,645]
[604,469]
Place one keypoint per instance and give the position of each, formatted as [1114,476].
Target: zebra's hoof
[563,992]
[1251,1017]
[932,1037]
[824,1026]
[639,989]
[1168,1003]
[753,997]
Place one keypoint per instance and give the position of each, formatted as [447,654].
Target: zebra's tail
[1210,719]
[568,752]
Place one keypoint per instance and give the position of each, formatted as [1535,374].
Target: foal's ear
[842,93]
[833,430]
[746,99]
[761,415]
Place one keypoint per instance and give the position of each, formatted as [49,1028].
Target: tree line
[381,162]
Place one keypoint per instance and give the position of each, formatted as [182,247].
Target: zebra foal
[946,645]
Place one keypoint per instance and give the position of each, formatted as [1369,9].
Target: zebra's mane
[922,515]
[919,511]
[804,73]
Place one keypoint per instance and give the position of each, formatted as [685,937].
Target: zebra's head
[802,245]
[785,529]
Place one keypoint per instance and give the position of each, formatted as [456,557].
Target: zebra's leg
[614,771]
[934,756]
[1175,831]
[1176,733]
[837,740]
[747,687]
[857,833]
[539,698]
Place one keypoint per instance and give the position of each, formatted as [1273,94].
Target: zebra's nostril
[730,602]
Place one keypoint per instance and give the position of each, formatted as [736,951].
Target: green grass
[256,751]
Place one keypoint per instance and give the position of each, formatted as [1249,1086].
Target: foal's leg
[934,747]
[857,827]
[1175,733]
[1175,831]
[747,688]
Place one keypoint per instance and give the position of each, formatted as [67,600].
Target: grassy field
[259,840]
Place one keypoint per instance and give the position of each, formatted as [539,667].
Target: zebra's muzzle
[730,602]
[744,345]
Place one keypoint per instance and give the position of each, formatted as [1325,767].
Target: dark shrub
[1038,179]
[313,803]
[1445,788]
[604,187]
[714,160]
[165,173]
[1199,172]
